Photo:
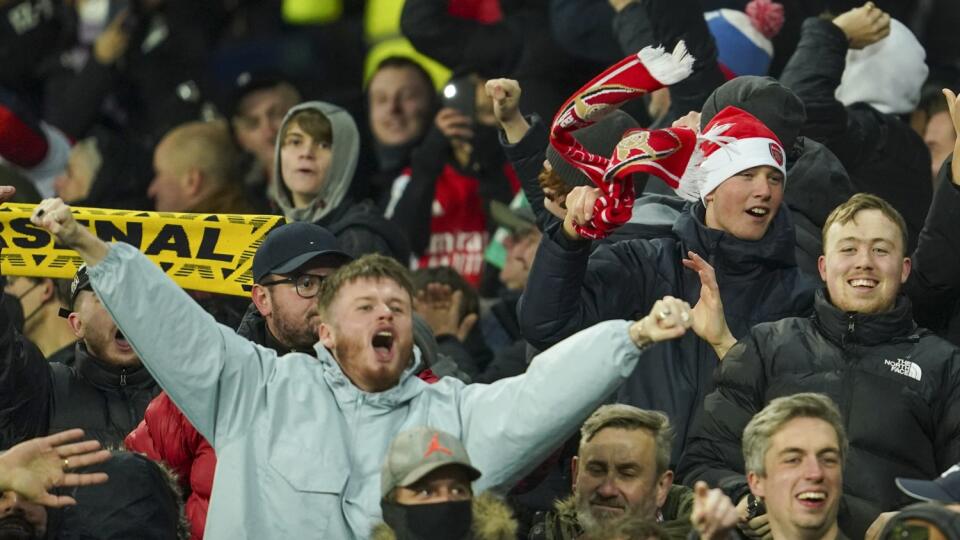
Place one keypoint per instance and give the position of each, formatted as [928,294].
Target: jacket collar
[346,392]
[732,256]
[862,328]
[106,376]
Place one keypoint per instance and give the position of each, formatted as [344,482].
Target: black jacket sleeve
[24,386]
[934,283]
[569,289]
[459,43]
[672,21]
[814,73]
[73,99]
[527,157]
[713,452]
[582,28]
[412,212]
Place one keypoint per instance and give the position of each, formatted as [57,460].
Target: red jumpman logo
[435,446]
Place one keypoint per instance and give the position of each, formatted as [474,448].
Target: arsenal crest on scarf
[692,164]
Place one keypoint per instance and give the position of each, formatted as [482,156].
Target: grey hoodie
[343,164]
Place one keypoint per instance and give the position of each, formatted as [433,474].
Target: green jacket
[561,523]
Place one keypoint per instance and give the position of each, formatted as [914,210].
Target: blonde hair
[766,423]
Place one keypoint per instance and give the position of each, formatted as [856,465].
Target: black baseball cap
[249,82]
[945,489]
[292,245]
[81,281]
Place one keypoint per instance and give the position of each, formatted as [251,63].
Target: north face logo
[904,367]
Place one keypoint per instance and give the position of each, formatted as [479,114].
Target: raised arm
[570,289]
[512,424]
[814,73]
[211,373]
[934,284]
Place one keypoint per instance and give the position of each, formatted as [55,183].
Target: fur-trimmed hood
[492,520]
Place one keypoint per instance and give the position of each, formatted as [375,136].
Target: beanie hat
[743,38]
[887,75]
[734,140]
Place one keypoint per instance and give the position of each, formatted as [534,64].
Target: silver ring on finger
[663,314]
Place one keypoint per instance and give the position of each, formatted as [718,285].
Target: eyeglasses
[308,285]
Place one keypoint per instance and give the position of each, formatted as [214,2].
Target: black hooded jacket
[141,500]
[570,289]
[38,397]
[897,387]
[882,153]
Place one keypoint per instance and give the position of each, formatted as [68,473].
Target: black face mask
[14,310]
[16,528]
[439,521]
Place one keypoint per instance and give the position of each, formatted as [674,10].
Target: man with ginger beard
[311,431]
[102,387]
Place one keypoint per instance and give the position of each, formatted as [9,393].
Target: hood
[764,97]
[141,500]
[818,182]
[732,256]
[343,164]
[345,392]
[492,520]
[886,75]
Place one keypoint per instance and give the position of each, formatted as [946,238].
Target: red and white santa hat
[733,141]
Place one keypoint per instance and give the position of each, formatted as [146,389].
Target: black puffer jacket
[882,153]
[570,289]
[39,397]
[897,387]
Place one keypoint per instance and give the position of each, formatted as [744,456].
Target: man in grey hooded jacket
[300,439]
[315,160]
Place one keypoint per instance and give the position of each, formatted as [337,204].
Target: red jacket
[166,435]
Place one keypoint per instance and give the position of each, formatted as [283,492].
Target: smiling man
[794,450]
[897,385]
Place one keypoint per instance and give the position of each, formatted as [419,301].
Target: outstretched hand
[709,321]
[953,103]
[33,467]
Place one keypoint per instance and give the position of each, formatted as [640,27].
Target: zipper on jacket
[851,327]
[123,377]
